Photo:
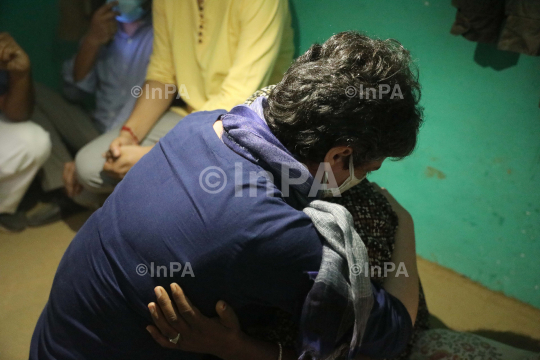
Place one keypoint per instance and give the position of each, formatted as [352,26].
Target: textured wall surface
[472,184]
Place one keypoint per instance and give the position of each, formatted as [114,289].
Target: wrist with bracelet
[131,132]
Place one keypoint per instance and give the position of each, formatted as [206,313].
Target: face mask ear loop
[351,167]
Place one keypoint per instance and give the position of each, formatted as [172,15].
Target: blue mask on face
[130,10]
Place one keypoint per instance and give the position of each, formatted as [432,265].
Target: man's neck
[130,28]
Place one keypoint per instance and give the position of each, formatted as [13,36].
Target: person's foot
[59,207]
[16,222]
[44,214]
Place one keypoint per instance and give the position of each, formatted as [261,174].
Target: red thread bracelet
[128,129]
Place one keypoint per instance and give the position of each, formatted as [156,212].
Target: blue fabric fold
[247,134]
[337,308]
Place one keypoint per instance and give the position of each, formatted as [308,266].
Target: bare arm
[85,58]
[403,286]
[18,103]
[148,109]
[102,30]
[150,106]
[154,99]
[125,151]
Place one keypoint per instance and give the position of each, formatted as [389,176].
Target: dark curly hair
[332,96]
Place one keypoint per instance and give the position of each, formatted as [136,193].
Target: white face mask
[347,184]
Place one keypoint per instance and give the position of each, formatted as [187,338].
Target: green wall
[33,23]
[472,183]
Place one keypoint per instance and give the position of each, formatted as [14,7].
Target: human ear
[336,157]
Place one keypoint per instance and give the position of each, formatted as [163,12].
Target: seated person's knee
[89,167]
[36,143]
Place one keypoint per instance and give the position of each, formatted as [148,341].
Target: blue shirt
[120,66]
[174,208]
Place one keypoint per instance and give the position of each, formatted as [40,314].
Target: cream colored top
[220,53]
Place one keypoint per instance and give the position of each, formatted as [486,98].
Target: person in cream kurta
[214,54]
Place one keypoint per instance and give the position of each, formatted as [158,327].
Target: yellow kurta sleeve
[161,66]
[262,23]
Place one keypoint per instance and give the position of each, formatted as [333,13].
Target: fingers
[227,316]
[116,166]
[115,151]
[5,40]
[112,4]
[159,338]
[12,56]
[108,155]
[7,53]
[106,13]
[77,188]
[161,321]
[166,316]
[170,312]
[111,170]
[4,43]
[106,8]
[9,48]
[66,179]
[70,189]
[70,179]
[165,304]
[18,63]
[109,167]
[114,148]
[121,157]
[104,24]
[188,312]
